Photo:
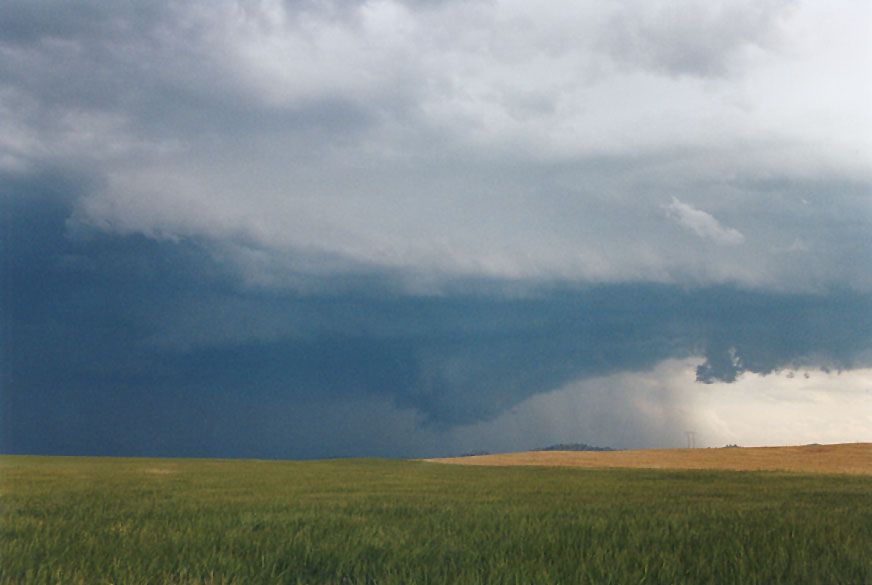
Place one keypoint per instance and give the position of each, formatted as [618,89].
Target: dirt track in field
[852,458]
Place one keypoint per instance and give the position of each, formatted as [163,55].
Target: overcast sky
[314,228]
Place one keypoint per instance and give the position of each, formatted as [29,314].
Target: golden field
[852,458]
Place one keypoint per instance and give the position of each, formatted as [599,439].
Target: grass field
[127,521]
[853,458]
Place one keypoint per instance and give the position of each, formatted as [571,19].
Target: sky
[313,228]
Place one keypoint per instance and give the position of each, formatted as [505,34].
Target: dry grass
[853,458]
[158,471]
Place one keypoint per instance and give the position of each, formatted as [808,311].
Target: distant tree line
[575,447]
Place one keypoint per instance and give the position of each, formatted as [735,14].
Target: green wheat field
[135,521]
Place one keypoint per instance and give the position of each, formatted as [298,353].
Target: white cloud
[654,408]
[703,224]
[787,408]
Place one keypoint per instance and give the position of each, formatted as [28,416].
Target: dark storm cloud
[129,345]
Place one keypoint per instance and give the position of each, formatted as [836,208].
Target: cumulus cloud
[703,224]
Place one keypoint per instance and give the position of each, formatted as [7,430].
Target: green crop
[136,521]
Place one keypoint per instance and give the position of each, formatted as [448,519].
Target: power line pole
[691,439]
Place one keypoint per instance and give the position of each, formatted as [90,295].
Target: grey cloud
[444,141]
[627,410]
[692,38]
[722,365]
[46,20]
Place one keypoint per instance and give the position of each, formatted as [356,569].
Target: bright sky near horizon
[316,228]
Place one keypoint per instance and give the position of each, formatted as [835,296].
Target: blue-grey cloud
[129,345]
